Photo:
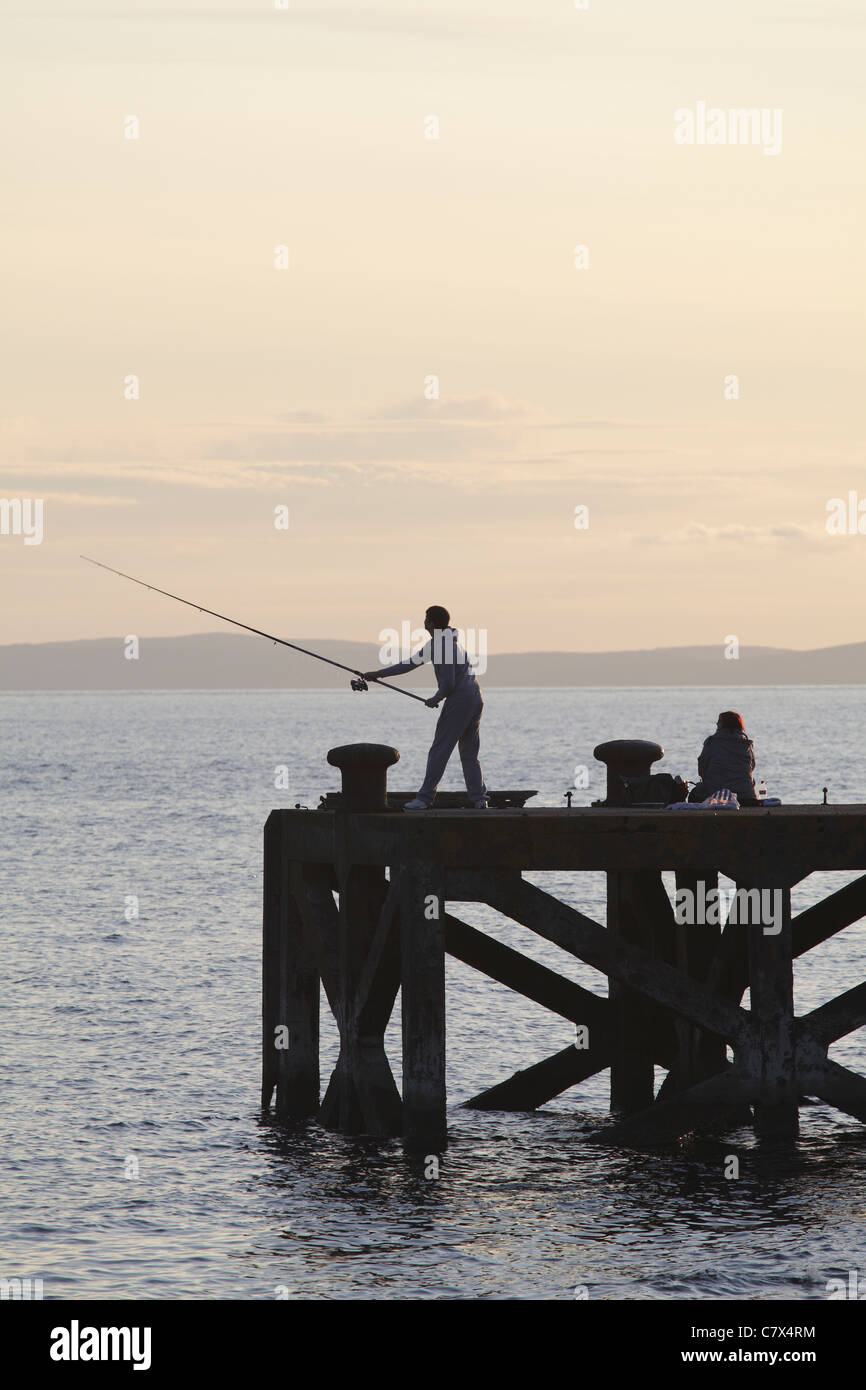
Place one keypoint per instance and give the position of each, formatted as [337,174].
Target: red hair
[729,719]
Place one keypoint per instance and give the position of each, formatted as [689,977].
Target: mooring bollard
[364,768]
[625,757]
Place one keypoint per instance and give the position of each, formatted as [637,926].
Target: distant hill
[224,661]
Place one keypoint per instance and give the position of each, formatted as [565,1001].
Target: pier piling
[422,948]
[290,987]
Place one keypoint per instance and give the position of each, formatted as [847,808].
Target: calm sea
[131,1042]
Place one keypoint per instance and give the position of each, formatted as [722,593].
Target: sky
[693,378]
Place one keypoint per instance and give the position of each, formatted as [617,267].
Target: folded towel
[723,800]
[701,806]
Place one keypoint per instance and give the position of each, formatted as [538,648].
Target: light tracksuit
[458,726]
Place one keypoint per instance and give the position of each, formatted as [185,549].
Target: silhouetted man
[459,723]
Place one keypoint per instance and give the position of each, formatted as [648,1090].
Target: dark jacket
[727,760]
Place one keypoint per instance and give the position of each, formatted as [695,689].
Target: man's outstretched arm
[401,668]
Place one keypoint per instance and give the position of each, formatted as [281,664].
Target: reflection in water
[527,1197]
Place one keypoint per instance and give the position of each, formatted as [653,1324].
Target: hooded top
[727,759]
[450,662]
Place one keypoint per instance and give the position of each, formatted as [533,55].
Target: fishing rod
[359,684]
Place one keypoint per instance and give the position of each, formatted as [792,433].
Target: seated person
[727,759]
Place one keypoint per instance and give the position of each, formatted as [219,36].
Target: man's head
[436,618]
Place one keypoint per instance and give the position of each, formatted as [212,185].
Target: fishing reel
[359,684]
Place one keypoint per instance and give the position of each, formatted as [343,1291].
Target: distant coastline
[225,661]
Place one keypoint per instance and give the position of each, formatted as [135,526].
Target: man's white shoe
[415,805]
[481,806]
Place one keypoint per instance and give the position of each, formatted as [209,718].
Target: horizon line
[535,651]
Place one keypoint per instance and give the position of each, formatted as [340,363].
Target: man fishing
[458,726]
[460,718]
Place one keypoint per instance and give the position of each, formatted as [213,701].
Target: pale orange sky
[411,257]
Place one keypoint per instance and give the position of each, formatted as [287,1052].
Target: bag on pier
[658,789]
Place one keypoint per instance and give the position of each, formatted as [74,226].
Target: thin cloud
[88,499]
[482,407]
[734,534]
